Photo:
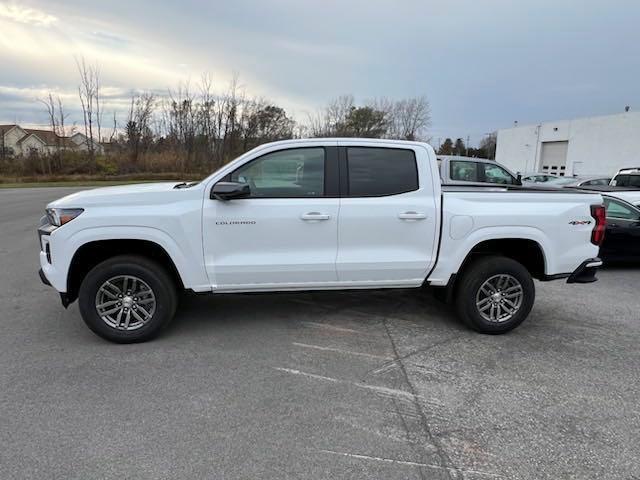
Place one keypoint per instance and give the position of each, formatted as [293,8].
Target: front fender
[64,247]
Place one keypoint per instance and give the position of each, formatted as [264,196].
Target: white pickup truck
[315,214]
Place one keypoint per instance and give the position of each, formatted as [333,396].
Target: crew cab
[315,214]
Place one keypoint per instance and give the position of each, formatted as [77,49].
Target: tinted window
[497,174]
[599,181]
[374,172]
[617,209]
[462,171]
[287,173]
[628,180]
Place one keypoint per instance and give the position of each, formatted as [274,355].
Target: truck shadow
[210,313]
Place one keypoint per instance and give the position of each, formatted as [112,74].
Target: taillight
[599,215]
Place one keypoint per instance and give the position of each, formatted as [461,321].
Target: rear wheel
[127,299]
[495,295]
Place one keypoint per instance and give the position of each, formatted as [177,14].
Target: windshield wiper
[185,185]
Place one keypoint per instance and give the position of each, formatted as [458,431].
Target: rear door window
[376,172]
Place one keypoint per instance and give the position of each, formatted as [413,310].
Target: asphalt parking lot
[356,385]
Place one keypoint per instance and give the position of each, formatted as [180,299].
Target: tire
[493,286]
[151,304]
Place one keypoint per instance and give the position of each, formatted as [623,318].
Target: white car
[627,177]
[583,181]
[539,179]
[316,214]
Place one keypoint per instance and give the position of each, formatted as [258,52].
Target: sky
[483,64]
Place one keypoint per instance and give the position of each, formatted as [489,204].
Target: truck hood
[137,194]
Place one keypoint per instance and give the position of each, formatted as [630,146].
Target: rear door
[388,218]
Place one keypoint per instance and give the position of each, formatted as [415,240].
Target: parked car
[628,194]
[627,177]
[631,196]
[315,214]
[474,171]
[622,237]
[583,181]
[542,178]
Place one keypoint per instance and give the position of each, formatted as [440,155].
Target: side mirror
[230,190]
[519,179]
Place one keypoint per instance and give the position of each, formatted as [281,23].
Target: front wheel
[495,295]
[127,299]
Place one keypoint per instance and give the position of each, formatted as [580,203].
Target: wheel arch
[526,251]
[91,253]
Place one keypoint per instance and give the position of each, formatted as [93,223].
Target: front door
[388,218]
[285,234]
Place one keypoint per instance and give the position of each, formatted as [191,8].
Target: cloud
[29,16]
[481,64]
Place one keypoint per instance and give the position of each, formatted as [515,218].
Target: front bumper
[64,297]
[44,278]
[586,272]
[49,273]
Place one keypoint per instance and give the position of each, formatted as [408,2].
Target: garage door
[553,157]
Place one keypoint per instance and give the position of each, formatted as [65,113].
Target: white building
[585,146]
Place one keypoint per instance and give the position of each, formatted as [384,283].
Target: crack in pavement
[398,359]
[446,463]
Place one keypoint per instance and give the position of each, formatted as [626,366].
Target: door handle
[411,216]
[310,216]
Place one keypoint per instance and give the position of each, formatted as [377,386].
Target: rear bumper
[586,272]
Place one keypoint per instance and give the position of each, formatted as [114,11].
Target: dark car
[622,236]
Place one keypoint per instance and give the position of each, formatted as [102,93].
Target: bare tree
[180,118]
[412,116]
[488,145]
[62,131]
[114,129]
[408,118]
[138,131]
[206,116]
[56,116]
[89,93]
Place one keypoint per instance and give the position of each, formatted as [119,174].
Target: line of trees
[486,149]
[194,128]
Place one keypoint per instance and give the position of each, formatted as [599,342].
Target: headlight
[60,216]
